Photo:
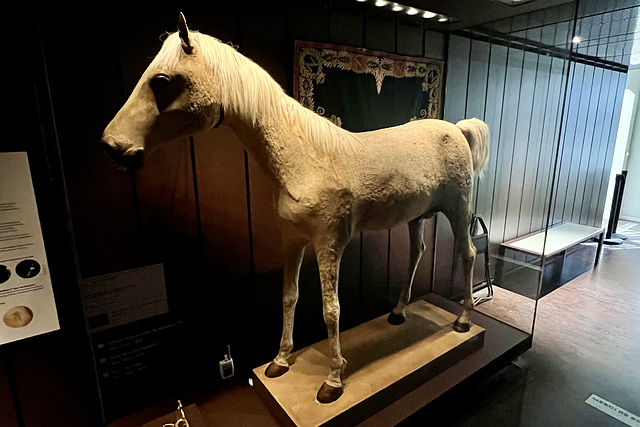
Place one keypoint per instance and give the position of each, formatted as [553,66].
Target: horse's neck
[273,144]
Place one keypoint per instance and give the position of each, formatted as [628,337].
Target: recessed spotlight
[443,19]
[396,7]
[381,3]
[428,15]
[361,1]
[412,11]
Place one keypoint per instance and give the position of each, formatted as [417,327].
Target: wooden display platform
[384,363]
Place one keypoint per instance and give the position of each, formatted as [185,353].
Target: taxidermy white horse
[332,183]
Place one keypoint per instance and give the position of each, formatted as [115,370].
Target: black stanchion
[613,238]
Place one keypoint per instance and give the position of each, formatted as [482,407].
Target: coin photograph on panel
[18,317]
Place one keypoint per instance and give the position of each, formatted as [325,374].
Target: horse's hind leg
[293,253]
[416,249]
[460,219]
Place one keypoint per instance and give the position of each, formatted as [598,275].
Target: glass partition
[549,84]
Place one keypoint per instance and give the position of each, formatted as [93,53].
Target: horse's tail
[477,134]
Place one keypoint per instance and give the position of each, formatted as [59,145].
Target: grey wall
[631,200]
[521,96]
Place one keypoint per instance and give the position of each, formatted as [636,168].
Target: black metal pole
[610,238]
[623,180]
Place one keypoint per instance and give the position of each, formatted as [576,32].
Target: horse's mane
[249,91]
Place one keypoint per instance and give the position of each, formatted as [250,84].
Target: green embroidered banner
[363,90]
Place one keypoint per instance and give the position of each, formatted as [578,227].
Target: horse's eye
[160,80]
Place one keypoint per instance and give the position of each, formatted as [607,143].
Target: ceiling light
[576,39]
[428,15]
[396,7]
[381,3]
[443,19]
[412,11]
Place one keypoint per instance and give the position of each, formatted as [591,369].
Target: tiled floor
[586,341]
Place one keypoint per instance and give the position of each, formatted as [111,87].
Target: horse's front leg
[329,256]
[293,254]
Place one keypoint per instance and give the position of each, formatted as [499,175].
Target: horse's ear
[183,31]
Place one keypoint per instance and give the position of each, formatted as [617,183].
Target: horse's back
[422,146]
[404,172]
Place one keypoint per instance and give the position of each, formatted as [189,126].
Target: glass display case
[181,262]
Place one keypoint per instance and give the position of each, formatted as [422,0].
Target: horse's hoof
[328,394]
[274,370]
[395,319]
[461,327]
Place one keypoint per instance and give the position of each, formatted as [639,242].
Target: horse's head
[175,97]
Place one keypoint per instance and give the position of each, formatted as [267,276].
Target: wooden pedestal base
[384,363]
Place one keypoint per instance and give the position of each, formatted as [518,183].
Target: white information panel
[27,306]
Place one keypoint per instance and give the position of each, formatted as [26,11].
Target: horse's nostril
[106,147]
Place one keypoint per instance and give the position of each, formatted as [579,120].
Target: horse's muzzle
[129,159]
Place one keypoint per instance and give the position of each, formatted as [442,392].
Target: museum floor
[586,341]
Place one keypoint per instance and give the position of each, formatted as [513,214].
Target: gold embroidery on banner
[423,115]
[335,119]
[312,63]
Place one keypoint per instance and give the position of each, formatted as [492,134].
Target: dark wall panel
[375,245]
[379,34]
[346,28]
[409,40]
[7,408]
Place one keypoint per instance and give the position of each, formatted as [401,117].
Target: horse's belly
[376,215]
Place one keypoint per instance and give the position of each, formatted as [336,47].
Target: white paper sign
[27,306]
[615,411]
[123,297]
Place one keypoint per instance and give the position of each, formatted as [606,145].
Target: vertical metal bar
[504,88]
[593,134]
[526,157]
[196,195]
[556,134]
[562,135]
[615,100]
[584,134]
[542,133]
[249,216]
[484,118]
[466,98]
[599,249]
[581,143]
[623,180]
[603,144]
[615,203]
[513,150]
[555,166]
[573,141]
